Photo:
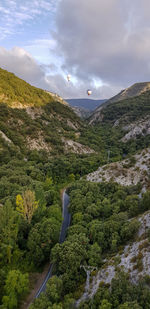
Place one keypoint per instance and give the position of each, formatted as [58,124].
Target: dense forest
[104,216]
[100,227]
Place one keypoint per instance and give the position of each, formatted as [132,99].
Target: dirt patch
[36,280]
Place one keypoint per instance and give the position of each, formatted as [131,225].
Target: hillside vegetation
[17,93]
[127,110]
[137,93]
[45,147]
[132,91]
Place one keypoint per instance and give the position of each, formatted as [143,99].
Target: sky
[103,45]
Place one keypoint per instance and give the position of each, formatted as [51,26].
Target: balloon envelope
[68,77]
[89,92]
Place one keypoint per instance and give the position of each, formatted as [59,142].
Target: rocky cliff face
[134,259]
[127,172]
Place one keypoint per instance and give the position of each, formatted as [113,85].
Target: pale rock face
[57,97]
[34,113]
[3,135]
[128,261]
[122,173]
[141,127]
[38,143]
[75,147]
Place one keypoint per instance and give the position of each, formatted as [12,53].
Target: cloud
[17,13]
[105,39]
[21,63]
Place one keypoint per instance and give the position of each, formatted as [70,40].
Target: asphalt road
[65,224]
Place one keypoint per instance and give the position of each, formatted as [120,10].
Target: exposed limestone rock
[72,125]
[57,98]
[5,137]
[141,127]
[37,143]
[125,172]
[134,260]
[75,147]
[34,112]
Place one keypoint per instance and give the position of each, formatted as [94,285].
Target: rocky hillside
[33,119]
[138,92]
[128,172]
[134,260]
[133,91]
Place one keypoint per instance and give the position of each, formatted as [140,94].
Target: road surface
[65,225]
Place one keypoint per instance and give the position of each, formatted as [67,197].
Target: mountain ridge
[135,90]
[86,103]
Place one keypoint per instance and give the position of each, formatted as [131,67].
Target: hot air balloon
[89,92]
[68,77]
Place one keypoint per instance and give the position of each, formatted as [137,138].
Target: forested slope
[45,147]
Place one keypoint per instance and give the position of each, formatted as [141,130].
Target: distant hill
[87,104]
[130,92]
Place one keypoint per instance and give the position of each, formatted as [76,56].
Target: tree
[95,255]
[16,286]
[68,256]
[146,201]
[105,304]
[48,184]
[54,289]
[26,204]
[69,301]
[133,205]
[41,302]
[41,239]
[8,228]
[130,305]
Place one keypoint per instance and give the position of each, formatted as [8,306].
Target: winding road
[65,225]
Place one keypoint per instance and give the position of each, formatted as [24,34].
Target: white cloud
[20,62]
[14,13]
[105,39]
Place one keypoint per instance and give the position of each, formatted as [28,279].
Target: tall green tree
[16,285]
[9,225]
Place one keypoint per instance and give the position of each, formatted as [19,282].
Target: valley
[104,162]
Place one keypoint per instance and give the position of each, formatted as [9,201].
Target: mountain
[133,91]
[46,150]
[84,107]
[34,119]
[87,104]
